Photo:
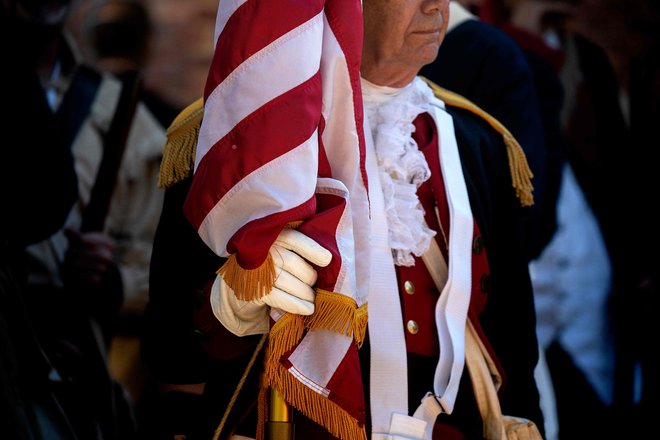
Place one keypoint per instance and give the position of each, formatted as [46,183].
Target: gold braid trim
[521,175]
[179,151]
[338,313]
[249,284]
[287,332]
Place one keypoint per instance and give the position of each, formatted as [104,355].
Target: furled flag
[281,143]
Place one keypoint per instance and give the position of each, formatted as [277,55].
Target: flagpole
[280,418]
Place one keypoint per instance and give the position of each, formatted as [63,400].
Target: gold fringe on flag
[249,284]
[521,175]
[179,151]
[360,325]
[338,313]
[334,312]
[284,335]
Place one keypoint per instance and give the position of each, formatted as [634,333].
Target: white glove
[292,292]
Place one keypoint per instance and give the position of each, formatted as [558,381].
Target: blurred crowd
[595,68]
[92,85]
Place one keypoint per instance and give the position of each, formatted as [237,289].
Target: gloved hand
[293,293]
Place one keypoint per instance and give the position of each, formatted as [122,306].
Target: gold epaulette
[521,175]
[179,152]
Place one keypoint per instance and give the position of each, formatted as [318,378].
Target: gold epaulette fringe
[249,284]
[179,151]
[521,175]
[287,332]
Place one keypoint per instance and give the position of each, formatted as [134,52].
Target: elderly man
[439,247]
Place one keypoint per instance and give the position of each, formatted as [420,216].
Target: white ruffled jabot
[402,167]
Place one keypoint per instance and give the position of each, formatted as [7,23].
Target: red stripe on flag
[345,19]
[274,129]
[253,26]
[324,164]
[258,235]
[346,389]
[322,227]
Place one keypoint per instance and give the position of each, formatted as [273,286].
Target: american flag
[282,142]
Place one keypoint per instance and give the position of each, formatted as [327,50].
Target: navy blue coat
[485,65]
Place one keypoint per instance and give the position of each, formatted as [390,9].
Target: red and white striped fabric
[282,141]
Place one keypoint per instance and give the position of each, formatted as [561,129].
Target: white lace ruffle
[402,166]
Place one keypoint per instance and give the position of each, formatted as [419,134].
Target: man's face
[401,36]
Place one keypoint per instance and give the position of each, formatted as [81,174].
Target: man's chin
[429,54]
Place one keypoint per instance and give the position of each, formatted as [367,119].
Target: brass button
[485,283]
[409,287]
[412,327]
[477,244]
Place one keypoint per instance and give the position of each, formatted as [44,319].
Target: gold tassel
[179,151]
[284,335]
[521,175]
[249,284]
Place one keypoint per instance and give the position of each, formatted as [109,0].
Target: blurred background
[594,71]
[180,44]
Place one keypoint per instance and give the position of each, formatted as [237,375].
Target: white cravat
[402,168]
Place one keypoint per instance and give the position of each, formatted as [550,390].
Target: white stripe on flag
[319,366]
[284,64]
[226,9]
[263,192]
[342,144]
[346,282]
[308,383]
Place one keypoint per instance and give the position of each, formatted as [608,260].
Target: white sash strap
[453,280]
[388,356]
[452,306]
[428,411]
[388,369]
[404,426]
